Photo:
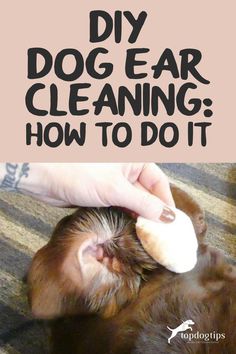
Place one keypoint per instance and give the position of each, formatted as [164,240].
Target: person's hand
[141,188]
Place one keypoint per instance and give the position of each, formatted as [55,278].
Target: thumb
[144,204]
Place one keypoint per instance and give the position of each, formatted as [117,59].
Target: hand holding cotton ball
[174,245]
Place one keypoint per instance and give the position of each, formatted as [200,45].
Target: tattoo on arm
[13,175]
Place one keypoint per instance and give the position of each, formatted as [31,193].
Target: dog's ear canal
[189,205]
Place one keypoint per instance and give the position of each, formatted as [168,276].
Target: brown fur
[129,297]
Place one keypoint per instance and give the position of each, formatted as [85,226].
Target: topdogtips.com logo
[196,337]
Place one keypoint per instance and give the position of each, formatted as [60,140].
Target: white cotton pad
[173,245]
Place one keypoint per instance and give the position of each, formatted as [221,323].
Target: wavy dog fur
[107,295]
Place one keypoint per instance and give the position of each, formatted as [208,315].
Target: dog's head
[94,262]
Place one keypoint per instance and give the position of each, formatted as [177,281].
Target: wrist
[11,175]
[23,177]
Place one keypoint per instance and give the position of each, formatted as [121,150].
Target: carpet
[26,224]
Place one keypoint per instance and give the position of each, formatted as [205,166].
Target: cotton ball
[173,245]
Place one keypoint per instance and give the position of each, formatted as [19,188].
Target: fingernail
[167,215]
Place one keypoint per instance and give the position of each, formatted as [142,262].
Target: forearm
[141,188]
[33,179]
[21,177]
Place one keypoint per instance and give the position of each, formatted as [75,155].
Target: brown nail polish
[167,215]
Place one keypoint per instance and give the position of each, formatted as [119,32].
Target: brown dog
[107,295]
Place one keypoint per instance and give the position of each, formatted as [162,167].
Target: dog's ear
[84,269]
[186,203]
[67,273]
[44,291]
